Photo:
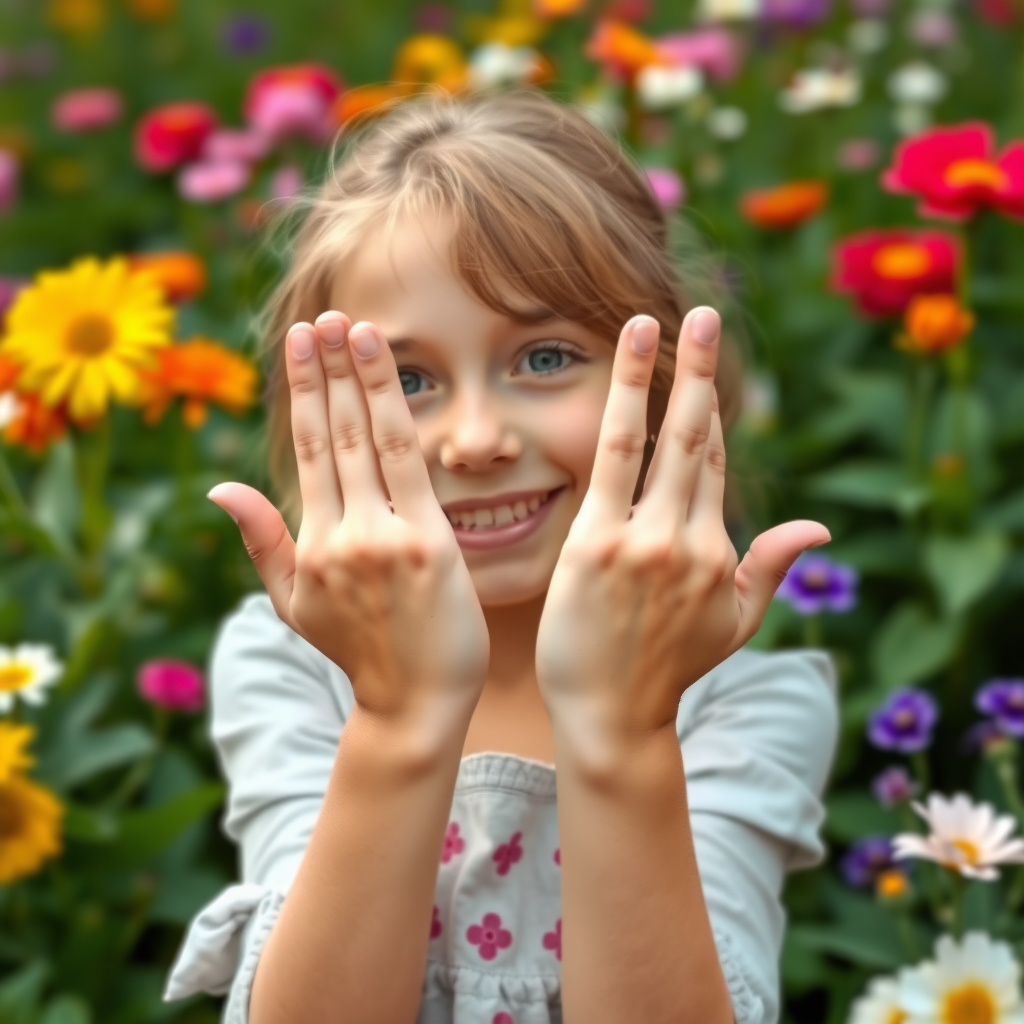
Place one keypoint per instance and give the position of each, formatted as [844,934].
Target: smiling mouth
[483,519]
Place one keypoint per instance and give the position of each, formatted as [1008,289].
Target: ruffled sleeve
[758,736]
[277,711]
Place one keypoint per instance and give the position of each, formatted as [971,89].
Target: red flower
[955,171]
[884,270]
[172,134]
[784,206]
[293,100]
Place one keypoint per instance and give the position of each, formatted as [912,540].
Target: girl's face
[507,413]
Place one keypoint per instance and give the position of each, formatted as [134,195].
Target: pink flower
[172,684]
[667,186]
[286,182]
[489,936]
[210,182]
[294,100]
[717,52]
[172,134]
[453,842]
[858,154]
[508,854]
[235,145]
[435,924]
[553,940]
[9,173]
[501,1017]
[933,28]
[86,110]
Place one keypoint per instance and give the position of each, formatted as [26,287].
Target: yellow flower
[82,335]
[83,17]
[13,756]
[152,10]
[429,58]
[30,828]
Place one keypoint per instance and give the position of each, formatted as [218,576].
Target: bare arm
[636,939]
[354,928]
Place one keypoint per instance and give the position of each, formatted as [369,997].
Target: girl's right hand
[380,587]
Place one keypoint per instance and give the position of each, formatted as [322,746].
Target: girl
[495,752]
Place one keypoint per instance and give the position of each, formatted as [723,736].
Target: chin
[509,585]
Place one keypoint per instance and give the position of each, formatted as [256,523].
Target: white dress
[757,735]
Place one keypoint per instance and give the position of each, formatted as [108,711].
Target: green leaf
[964,568]
[912,645]
[144,834]
[866,403]
[66,1010]
[1007,514]
[870,484]
[87,754]
[803,967]
[88,825]
[20,993]
[854,815]
[182,893]
[56,502]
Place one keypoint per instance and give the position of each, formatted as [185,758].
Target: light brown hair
[544,202]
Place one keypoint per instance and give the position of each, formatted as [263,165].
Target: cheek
[569,434]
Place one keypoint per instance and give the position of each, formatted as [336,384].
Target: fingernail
[302,342]
[363,341]
[705,327]
[332,332]
[644,337]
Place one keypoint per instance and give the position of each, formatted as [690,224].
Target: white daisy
[917,82]
[26,671]
[879,1005]
[499,64]
[963,837]
[977,980]
[819,88]
[659,88]
[728,10]
[727,123]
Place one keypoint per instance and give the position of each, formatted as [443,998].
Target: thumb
[266,538]
[765,566]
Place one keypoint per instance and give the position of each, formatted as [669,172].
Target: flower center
[896,1017]
[90,335]
[967,848]
[902,261]
[970,1004]
[815,579]
[891,883]
[965,173]
[10,816]
[904,718]
[14,677]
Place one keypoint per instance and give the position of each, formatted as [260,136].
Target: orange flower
[785,206]
[430,59]
[152,10]
[891,884]
[35,426]
[199,371]
[935,324]
[181,275]
[9,371]
[369,100]
[622,49]
[557,8]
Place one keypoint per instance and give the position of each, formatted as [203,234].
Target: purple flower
[894,786]
[1003,699]
[795,13]
[981,736]
[245,34]
[815,582]
[904,722]
[865,860]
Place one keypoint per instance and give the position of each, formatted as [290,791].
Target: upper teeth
[496,516]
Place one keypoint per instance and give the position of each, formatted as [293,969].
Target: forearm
[636,939]
[354,928]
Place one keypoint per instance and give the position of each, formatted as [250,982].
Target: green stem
[922,771]
[9,489]
[959,892]
[92,462]
[921,390]
[1006,770]
[812,631]
[907,935]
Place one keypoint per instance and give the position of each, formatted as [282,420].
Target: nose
[477,435]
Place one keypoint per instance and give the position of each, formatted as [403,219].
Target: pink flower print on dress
[489,936]
[553,940]
[558,857]
[435,924]
[508,854]
[503,1018]
[454,844]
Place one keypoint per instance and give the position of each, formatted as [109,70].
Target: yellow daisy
[13,755]
[30,828]
[83,334]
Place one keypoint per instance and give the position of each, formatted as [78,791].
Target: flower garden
[853,173]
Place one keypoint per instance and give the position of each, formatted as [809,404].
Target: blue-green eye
[412,381]
[550,357]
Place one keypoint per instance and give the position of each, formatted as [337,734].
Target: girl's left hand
[646,600]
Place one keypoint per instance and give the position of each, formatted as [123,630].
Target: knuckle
[309,446]
[625,445]
[301,388]
[692,439]
[378,386]
[348,437]
[393,447]
[715,456]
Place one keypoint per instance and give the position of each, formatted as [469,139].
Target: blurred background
[854,172]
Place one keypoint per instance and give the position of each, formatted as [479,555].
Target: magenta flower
[171,684]
[501,1017]
[293,100]
[9,174]
[235,145]
[717,52]
[211,182]
[553,940]
[454,844]
[858,154]
[489,936]
[87,110]
[435,924]
[667,186]
[508,854]
[894,786]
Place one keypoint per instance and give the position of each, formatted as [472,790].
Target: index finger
[620,443]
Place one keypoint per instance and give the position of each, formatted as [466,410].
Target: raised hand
[375,579]
[644,600]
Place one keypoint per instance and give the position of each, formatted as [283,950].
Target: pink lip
[510,533]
